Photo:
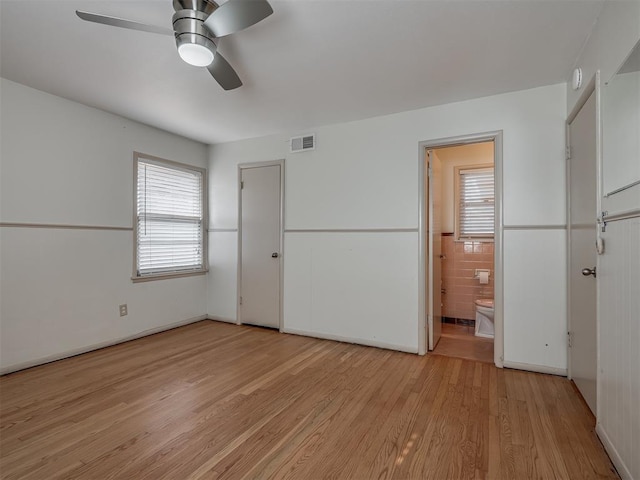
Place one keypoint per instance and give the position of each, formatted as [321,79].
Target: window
[169,215]
[475,203]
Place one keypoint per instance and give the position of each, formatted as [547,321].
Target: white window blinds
[476,208]
[169,213]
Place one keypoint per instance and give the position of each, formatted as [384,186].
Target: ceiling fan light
[195,54]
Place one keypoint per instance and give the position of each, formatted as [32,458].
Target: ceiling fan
[197,24]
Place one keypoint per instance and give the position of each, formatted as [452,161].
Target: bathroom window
[169,231]
[475,203]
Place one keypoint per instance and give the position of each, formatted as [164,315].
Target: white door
[434,281]
[260,224]
[582,214]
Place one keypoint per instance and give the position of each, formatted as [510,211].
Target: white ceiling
[311,63]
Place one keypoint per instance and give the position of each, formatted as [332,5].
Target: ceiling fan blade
[223,73]
[122,23]
[236,15]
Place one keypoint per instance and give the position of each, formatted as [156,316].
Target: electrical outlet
[123,310]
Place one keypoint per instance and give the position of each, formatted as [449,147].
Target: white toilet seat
[484,317]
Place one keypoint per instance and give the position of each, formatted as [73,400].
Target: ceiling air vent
[302,144]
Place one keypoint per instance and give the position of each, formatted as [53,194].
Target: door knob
[589,271]
[274,255]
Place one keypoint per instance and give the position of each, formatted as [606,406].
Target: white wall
[364,175]
[610,41]
[621,132]
[613,37]
[67,164]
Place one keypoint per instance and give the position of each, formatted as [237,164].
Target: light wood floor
[460,341]
[212,400]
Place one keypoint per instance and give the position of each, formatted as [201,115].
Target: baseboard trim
[622,469]
[357,341]
[216,318]
[529,367]
[97,346]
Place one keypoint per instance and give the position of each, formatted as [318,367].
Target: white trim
[622,189]
[498,295]
[168,276]
[623,215]
[599,192]
[239,247]
[357,341]
[242,166]
[529,367]
[266,163]
[429,273]
[534,227]
[281,258]
[622,469]
[567,209]
[467,169]
[351,230]
[496,138]
[97,346]
[54,226]
[422,249]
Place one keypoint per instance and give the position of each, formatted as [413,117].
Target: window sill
[166,276]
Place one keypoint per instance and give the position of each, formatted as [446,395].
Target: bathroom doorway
[460,247]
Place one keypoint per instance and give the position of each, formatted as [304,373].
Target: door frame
[592,88]
[496,138]
[241,167]
[429,243]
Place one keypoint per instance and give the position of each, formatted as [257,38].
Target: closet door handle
[589,271]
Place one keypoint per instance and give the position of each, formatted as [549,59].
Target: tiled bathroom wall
[458,269]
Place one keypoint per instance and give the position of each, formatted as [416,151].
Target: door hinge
[240,300]
[570,339]
[241,184]
[429,171]
[602,222]
[568,152]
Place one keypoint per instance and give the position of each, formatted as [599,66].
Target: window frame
[137,157]
[456,200]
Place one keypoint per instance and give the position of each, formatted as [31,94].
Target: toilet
[484,317]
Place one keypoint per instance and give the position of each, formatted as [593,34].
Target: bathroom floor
[459,341]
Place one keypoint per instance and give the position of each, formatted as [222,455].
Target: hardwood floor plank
[219,401]
[545,461]
[233,466]
[460,342]
[449,457]
[362,424]
[294,462]
[387,453]
[572,411]
[424,422]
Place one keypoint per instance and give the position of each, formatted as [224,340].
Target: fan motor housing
[188,27]
[204,6]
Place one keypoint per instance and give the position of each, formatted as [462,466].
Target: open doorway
[460,247]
